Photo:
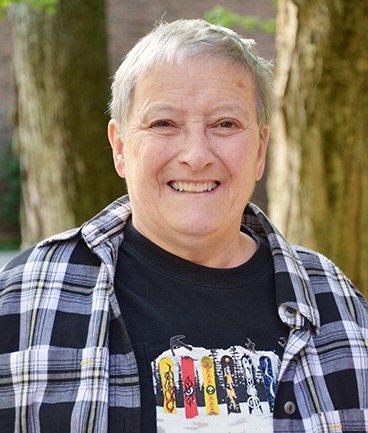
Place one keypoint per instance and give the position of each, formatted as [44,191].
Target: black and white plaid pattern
[66,363]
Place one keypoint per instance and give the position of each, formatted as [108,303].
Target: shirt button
[289,313]
[289,407]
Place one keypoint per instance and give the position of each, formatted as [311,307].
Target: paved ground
[5,256]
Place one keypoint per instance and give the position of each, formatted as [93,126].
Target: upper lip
[193,185]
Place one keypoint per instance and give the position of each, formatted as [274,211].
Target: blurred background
[56,62]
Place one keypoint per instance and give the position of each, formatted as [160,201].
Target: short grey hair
[173,43]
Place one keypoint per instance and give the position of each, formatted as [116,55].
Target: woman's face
[192,152]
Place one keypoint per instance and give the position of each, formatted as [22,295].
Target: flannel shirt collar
[103,233]
[297,305]
[294,294]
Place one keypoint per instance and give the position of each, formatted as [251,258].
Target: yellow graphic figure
[210,393]
[168,389]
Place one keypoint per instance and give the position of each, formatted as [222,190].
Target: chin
[196,227]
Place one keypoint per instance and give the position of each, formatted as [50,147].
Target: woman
[175,309]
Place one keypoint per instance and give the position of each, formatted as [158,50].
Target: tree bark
[62,86]
[318,178]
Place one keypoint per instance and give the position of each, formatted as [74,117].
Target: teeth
[193,186]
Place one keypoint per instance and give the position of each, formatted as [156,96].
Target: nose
[196,150]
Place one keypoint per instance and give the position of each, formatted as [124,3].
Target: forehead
[218,79]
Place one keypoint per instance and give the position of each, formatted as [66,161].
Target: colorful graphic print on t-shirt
[215,390]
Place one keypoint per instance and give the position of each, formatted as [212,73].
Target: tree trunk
[61,77]
[318,179]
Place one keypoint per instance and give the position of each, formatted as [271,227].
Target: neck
[224,252]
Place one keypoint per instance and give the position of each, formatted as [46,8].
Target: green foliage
[48,5]
[9,245]
[10,178]
[224,17]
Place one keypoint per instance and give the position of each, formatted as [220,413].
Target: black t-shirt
[162,296]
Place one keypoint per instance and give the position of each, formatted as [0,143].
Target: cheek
[239,160]
[143,165]
[243,169]
[156,156]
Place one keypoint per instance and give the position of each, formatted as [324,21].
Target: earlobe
[117,145]
[262,151]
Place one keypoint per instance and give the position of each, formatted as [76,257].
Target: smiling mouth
[194,186]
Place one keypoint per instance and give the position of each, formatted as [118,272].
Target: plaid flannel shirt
[66,362]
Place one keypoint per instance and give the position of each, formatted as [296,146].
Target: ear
[117,145]
[262,151]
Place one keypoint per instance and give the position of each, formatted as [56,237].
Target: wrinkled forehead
[185,66]
[165,84]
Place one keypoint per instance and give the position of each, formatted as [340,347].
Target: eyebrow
[229,106]
[159,106]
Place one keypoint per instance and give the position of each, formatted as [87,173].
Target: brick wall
[128,21]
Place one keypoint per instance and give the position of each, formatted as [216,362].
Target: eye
[161,124]
[227,124]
